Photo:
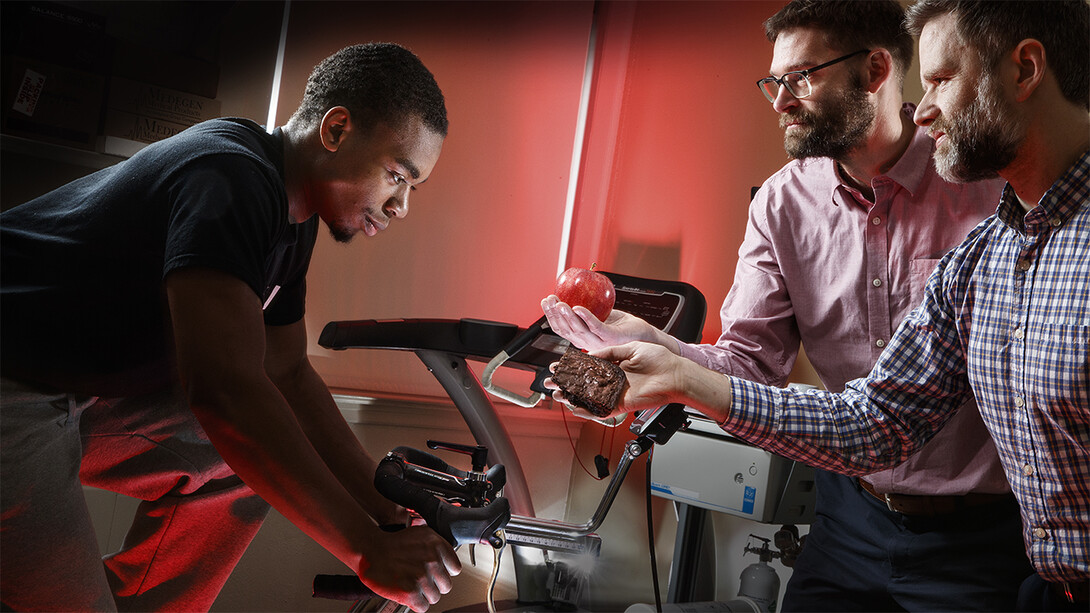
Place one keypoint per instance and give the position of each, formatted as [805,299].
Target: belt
[1072,592]
[931,506]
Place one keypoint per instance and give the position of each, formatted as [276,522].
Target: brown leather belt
[931,506]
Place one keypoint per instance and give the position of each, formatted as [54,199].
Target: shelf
[57,153]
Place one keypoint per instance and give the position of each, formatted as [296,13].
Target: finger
[563,328]
[417,603]
[554,308]
[451,563]
[430,592]
[585,317]
[580,318]
[614,353]
[443,584]
[612,421]
[582,413]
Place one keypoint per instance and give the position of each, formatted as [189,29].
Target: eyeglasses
[798,82]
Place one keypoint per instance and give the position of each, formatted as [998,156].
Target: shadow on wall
[649,260]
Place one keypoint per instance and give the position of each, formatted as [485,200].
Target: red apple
[586,288]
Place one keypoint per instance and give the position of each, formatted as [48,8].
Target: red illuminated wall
[482,236]
[676,135]
[679,133]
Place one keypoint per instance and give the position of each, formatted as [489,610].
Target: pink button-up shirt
[823,266]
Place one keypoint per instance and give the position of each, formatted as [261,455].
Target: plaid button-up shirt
[1006,316]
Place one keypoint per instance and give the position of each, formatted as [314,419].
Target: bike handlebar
[424,483]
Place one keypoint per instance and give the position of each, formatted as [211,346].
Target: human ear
[1030,59]
[879,69]
[335,124]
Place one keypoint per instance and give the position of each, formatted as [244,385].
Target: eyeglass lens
[796,83]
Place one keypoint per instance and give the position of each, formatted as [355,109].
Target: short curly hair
[376,82]
[850,25]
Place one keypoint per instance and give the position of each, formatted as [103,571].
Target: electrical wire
[571,441]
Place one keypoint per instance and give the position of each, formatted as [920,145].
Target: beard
[981,139]
[340,233]
[834,129]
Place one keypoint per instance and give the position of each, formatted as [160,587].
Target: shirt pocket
[1057,361]
[918,272]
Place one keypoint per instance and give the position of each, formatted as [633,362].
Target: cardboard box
[51,103]
[146,64]
[148,100]
[139,128]
[121,147]
[58,34]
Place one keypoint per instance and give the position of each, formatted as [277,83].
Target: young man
[154,345]
[838,246]
[1004,316]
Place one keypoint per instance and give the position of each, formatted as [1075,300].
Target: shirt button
[1027,470]
[1018,402]
[1040,532]
[877,283]
[1019,333]
[1055,223]
[1023,266]
[876,220]
[880,343]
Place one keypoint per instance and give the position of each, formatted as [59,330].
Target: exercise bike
[444,346]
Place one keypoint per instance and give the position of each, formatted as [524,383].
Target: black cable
[651,534]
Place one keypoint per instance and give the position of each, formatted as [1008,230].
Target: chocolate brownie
[590,383]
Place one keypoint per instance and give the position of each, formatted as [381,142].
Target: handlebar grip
[458,525]
[470,525]
[427,460]
[497,476]
[390,482]
[341,587]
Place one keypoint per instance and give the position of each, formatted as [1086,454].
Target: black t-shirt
[82,299]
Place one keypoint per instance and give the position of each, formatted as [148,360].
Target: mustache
[789,118]
[938,126]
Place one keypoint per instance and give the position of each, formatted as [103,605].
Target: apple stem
[593,265]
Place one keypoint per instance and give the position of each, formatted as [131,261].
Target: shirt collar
[1066,196]
[909,170]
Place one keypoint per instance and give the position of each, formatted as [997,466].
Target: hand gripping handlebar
[464,507]
[426,484]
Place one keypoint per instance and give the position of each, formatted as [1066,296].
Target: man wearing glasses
[837,250]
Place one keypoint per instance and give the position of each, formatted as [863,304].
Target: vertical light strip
[274,98]
[577,149]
